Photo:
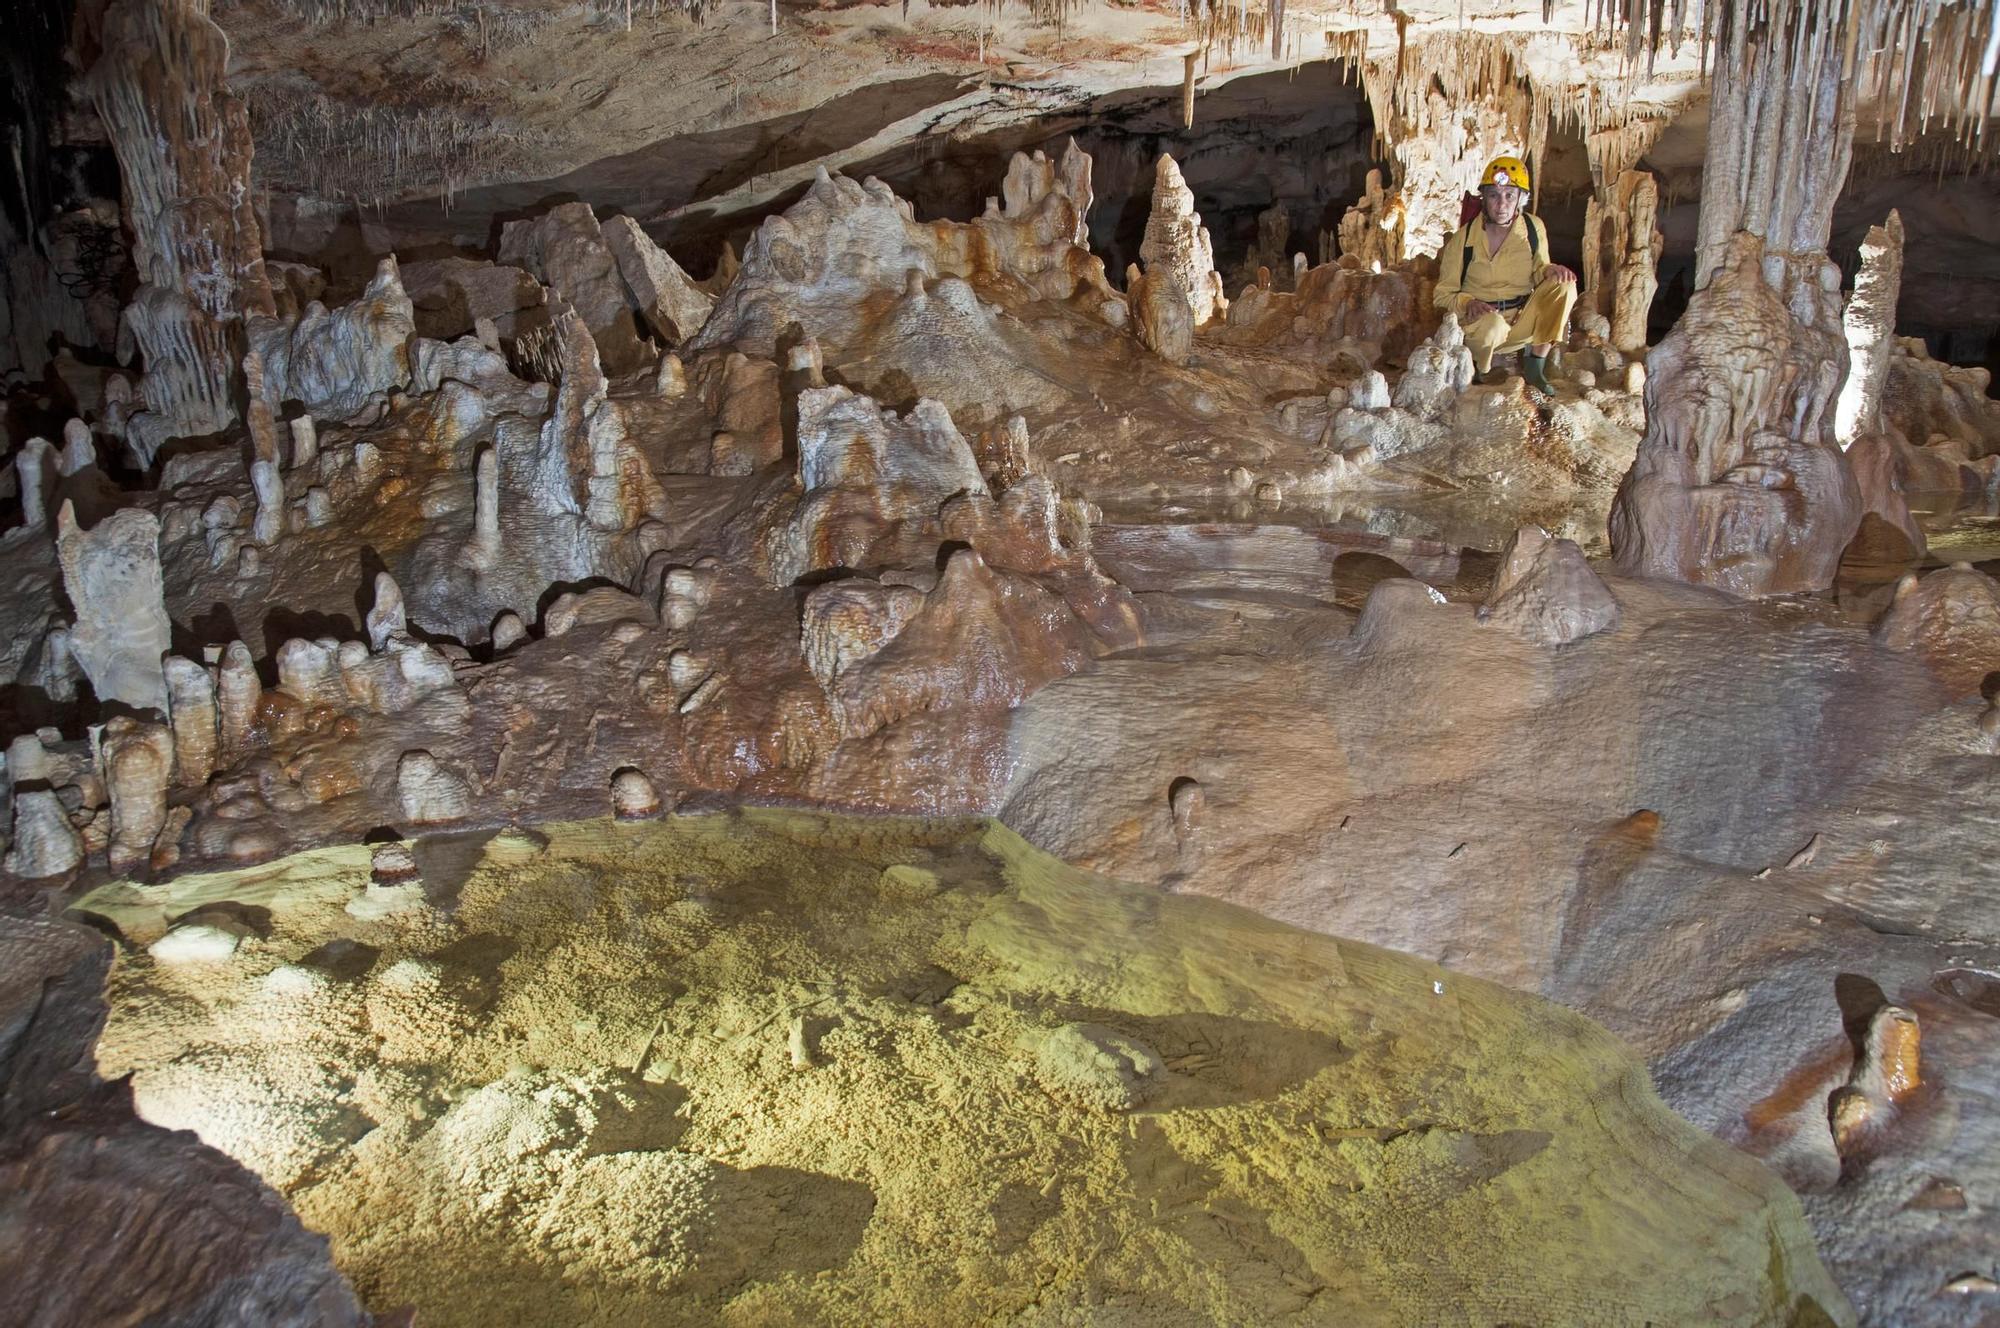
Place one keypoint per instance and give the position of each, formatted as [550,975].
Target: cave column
[183,147]
[1739,482]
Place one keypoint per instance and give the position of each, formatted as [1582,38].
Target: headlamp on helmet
[1505,170]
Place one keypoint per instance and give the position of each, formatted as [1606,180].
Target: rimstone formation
[687,664]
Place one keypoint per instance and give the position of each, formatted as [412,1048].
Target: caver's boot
[1535,368]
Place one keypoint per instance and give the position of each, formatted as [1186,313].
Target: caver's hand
[1476,310]
[1557,272]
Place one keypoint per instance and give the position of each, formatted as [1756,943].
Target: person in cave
[1495,274]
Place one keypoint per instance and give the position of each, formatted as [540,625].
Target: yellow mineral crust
[779,1068]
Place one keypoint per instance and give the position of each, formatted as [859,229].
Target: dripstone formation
[414,583]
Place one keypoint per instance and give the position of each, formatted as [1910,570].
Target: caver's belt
[1514,303]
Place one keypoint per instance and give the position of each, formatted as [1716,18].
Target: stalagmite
[111,574]
[79,453]
[337,364]
[508,631]
[1372,229]
[259,419]
[34,479]
[633,796]
[1621,252]
[138,762]
[239,693]
[305,442]
[1739,482]
[1176,243]
[386,617]
[429,790]
[1878,452]
[585,465]
[193,712]
[485,542]
[44,842]
[670,378]
[270,489]
[1546,592]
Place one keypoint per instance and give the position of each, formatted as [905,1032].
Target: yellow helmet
[1505,170]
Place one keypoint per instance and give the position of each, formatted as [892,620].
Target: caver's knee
[1487,330]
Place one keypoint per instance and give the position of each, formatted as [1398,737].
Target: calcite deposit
[783,664]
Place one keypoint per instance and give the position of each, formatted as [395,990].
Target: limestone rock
[1546,592]
[1952,618]
[177,1232]
[666,297]
[452,297]
[111,574]
[565,248]
[44,842]
[428,790]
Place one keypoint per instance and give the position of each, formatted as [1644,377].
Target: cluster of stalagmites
[511,471]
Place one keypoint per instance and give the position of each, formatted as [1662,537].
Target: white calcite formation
[111,574]
[341,362]
[872,482]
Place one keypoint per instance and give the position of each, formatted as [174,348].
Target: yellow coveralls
[1540,309]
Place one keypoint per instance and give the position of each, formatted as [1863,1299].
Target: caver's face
[1501,203]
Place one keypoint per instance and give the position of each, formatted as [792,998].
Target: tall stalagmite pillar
[1621,255]
[1739,482]
[183,145]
